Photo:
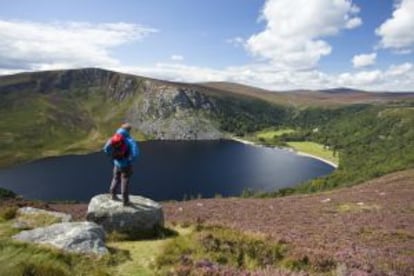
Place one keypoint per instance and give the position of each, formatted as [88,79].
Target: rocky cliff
[158,109]
[173,112]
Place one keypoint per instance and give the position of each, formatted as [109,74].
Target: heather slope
[369,227]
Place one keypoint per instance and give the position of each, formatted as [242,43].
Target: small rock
[326,200]
[360,203]
[200,204]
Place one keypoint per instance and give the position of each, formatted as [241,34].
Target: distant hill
[303,98]
[73,111]
[53,113]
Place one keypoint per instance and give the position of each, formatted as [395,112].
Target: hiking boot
[127,203]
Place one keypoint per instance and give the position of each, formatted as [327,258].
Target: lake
[167,170]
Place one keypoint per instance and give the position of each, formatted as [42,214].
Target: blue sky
[274,44]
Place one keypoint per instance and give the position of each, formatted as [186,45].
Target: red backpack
[119,146]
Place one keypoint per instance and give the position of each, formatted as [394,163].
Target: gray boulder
[78,237]
[143,218]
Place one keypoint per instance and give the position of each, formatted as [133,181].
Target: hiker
[123,150]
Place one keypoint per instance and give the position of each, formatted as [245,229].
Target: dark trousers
[121,176]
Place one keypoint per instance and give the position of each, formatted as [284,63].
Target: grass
[17,258]
[25,259]
[227,248]
[141,259]
[143,254]
[125,258]
[269,134]
[8,213]
[271,137]
[37,220]
[316,149]
[220,248]
[36,125]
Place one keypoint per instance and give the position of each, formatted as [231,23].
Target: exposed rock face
[142,218]
[175,113]
[159,109]
[78,237]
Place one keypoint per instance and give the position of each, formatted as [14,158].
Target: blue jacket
[132,147]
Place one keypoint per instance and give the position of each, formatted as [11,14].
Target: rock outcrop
[77,237]
[158,109]
[175,113]
[143,218]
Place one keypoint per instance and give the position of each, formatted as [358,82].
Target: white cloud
[292,40]
[397,32]
[353,23]
[395,78]
[236,41]
[364,60]
[398,70]
[177,58]
[176,72]
[35,46]
[360,79]
[293,30]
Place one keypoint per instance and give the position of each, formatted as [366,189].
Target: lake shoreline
[237,139]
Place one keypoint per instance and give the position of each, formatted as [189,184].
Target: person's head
[126,126]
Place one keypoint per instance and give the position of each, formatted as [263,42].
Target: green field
[316,149]
[269,134]
[271,137]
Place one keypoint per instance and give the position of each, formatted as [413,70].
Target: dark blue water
[167,170]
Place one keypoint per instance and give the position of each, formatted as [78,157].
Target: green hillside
[35,125]
[65,112]
[370,141]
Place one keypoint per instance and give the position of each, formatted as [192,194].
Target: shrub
[215,245]
[8,213]
[18,258]
[6,194]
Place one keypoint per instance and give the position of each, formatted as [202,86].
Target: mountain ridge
[80,108]
[220,85]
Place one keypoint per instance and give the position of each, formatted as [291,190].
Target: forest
[371,140]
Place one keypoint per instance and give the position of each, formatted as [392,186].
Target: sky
[272,44]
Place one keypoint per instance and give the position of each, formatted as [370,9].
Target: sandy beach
[288,149]
[317,157]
